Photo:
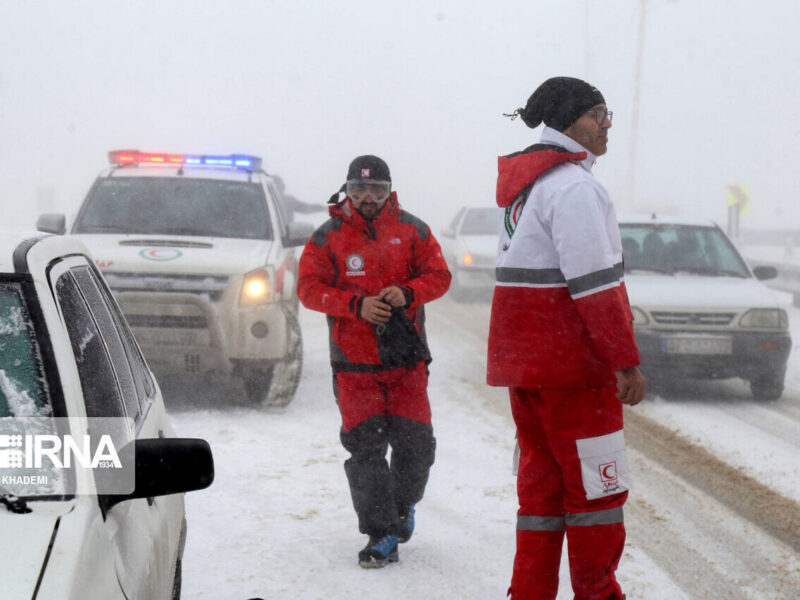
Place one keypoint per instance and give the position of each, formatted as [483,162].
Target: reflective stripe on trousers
[587,519]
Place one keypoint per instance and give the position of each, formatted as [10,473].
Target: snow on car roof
[653,218]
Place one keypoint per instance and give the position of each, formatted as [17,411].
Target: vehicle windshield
[680,248]
[480,221]
[176,206]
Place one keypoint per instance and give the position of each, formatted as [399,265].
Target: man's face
[590,133]
[368,198]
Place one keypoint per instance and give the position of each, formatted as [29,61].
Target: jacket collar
[555,137]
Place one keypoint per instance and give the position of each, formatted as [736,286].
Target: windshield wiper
[101,228]
[183,231]
[711,271]
[13,503]
[656,269]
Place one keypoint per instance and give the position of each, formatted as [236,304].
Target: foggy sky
[309,85]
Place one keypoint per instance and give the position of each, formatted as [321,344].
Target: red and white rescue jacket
[349,258]
[560,313]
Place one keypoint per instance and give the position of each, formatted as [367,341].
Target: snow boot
[378,552]
[406,523]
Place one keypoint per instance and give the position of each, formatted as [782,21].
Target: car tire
[767,386]
[276,384]
[286,373]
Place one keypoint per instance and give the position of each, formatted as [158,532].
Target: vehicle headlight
[639,316]
[765,318]
[466,258]
[256,289]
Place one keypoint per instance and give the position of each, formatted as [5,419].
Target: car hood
[24,539]
[165,254]
[481,245]
[695,291]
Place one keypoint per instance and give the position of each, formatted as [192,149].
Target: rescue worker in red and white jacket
[561,339]
[372,256]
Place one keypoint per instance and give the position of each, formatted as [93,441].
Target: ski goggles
[378,190]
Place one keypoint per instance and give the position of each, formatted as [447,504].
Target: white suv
[200,254]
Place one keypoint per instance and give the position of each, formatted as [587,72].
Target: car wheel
[768,386]
[286,373]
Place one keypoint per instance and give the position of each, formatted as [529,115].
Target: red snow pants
[380,410]
[572,479]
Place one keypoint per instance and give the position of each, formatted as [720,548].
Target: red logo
[365,173]
[104,264]
[608,475]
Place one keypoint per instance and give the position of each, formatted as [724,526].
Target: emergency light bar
[134,157]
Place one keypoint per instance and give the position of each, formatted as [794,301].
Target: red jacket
[560,314]
[349,258]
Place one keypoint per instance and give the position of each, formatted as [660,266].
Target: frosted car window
[145,387]
[22,392]
[101,393]
[112,337]
[176,206]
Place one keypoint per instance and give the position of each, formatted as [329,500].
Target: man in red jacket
[371,267]
[561,338]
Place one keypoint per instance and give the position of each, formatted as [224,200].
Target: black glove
[399,344]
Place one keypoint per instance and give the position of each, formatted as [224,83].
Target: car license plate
[698,345]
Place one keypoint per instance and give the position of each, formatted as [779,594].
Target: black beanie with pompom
[559,102]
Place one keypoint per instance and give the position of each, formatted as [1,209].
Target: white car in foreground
[69,365]
[200,254]
[699,310]
[470,247]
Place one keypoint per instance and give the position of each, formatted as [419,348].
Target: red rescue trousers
[380,410]
[573,479]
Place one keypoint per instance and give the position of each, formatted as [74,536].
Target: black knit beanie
[559,102]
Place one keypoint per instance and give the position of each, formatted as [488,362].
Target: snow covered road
[278,522]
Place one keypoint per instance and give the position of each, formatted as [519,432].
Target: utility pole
[637,80]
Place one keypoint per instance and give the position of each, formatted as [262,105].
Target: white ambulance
[201,254]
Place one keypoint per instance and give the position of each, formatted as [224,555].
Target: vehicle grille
[692,318]
[212,285]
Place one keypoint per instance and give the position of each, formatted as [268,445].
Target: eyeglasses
[358,190]
[601,114]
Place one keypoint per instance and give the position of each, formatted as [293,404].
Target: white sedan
[98,519]
[699,310]
[470,248]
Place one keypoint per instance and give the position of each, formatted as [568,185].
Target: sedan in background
[699,310]
[470,247]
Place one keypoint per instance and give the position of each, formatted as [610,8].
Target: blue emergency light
[132,157]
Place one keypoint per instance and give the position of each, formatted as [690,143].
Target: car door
[113,387]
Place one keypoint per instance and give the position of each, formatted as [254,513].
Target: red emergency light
[134,157]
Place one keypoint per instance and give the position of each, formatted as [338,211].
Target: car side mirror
[763,272]
[166,466]
[298,233]
[52,223]
[448,233]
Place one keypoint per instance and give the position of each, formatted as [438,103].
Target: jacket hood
[517,171]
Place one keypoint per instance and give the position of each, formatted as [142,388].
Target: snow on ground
[278,521]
